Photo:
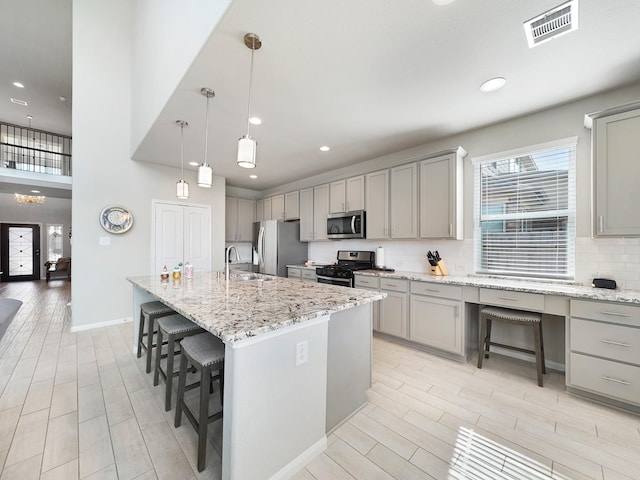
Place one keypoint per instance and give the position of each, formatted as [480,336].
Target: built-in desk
[601,328]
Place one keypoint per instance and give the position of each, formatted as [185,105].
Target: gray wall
[104,173]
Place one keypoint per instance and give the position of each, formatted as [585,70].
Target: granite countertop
[237,310]
[514,285]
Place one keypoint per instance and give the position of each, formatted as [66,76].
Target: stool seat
[205,353]
[519,317]
[149,312]
[175,328]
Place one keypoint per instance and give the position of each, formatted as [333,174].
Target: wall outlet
[302,353]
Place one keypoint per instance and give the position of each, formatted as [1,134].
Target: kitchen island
[297,361]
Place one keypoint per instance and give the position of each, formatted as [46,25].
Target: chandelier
[29,199]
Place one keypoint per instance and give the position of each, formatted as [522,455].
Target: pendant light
[246,144]
[205,174]
[182,187]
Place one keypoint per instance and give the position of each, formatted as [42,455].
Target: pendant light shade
[246,152]
[205,174]
[182,187]
[247,146]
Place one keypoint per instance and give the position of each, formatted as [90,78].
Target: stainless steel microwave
[346,225]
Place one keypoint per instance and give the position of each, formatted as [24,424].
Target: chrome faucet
[226,259]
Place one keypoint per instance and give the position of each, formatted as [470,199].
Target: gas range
[348,262]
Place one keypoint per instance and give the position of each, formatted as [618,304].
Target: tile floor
[80,406]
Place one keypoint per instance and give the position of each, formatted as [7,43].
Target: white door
[182,233]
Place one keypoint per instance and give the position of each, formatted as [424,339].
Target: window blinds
[525,212]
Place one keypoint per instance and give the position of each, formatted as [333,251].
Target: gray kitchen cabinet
[320,211]
[441,196]
[377,204]
[604,345]
[306,215]
[267,215]
[293,272]
[370,283]
[239,217]
[436,316]
[277,208]
[347,195]
[404,201]
[615,146]
[259,210]
[309,275]
[292,205]
[394,310]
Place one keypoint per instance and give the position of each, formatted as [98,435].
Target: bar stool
[149,312]
[531,319]
[174,328]
[205,353]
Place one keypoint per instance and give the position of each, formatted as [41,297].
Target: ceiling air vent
[552,23]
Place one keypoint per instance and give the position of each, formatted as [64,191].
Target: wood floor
[80,406]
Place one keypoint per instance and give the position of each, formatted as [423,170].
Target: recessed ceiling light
[324,148]
[19,102]
[253,176]
[255,121]
[194,164]
[62,99]
[35,191]
[18,84]
[493,84]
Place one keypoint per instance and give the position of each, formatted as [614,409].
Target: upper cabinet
[377,204]
[292,205]
[277,207]
[266,215]
[441,196]
[615,146]
[259,210]
[404,201]
[347,195]
[306,215]
[320,211]
[239,219]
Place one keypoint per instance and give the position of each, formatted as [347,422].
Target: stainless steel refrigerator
[277,244]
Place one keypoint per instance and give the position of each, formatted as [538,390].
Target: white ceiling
[364,77]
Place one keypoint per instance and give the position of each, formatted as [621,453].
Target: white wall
[167,36]
[104,173]
[617,258]
[53,211]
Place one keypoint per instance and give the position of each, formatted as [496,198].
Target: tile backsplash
[615,258]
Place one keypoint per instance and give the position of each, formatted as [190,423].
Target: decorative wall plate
[116,219]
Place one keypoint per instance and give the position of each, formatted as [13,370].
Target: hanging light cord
[206,134]
[182,152]
[253,49]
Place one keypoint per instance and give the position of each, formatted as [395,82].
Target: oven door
[343,282]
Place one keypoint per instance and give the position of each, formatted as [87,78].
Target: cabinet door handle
[601,224]
[511,299]
[612,342]
[616,314]
[615,380]
[431,290]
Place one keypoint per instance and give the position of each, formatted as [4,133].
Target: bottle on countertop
[164,275]
[188,270]
[177,272]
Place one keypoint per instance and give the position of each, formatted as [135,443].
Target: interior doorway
[20,246]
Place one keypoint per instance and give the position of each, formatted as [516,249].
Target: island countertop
[236,310]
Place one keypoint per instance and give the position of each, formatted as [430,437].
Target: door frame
[4,251]
[154,205]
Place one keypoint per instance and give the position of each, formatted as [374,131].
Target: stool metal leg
[156,373]
[150,329]
[544,368]
[539,362]
[203,422]
[140,335]
[168,377]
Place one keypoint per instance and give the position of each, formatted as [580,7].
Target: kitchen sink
[247,277]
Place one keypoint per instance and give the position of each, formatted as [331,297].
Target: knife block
[439,269]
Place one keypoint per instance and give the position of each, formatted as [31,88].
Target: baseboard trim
[108,323]
[301,460]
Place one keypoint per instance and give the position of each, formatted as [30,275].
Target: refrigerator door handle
[261,247]
[353,224]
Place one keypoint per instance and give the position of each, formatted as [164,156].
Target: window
[524,221]
[54,242]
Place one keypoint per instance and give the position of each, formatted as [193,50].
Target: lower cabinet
[394,310]
[294,272]
[309,275]
[370,283]
[437,323]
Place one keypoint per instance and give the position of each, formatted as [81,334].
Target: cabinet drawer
[293,272]
[444,291]
[606,377]
[606,340]
[366,282]
[309,275]
[606,312]
[395,285]
[517,300]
